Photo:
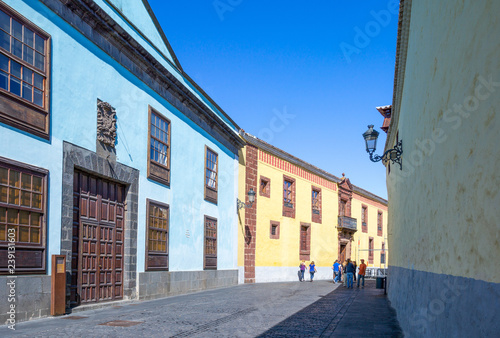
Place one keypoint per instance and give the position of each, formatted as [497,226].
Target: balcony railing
[348,223]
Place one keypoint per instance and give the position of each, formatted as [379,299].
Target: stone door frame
[77,158]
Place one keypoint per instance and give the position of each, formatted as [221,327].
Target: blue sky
[305,77]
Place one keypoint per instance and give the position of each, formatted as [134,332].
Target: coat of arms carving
[106,123]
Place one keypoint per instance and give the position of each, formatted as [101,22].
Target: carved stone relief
[106,123]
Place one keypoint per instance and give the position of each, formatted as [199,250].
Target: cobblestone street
[319,309]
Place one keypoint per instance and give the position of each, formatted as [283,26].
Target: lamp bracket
[393,155]
[241,204]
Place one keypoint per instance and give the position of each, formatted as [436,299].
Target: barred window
[275,230]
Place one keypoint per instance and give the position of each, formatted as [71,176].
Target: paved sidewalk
[319,309]
[358,312]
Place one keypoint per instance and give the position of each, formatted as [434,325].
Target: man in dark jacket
[350,270]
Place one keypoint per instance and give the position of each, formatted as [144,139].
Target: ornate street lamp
[251,199]
[393,154]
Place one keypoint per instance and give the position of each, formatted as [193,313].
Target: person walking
[344,274]
[302,267]
[336,272]
[355,270]
[341,272]
[361,273]
[349,272]
[312,270]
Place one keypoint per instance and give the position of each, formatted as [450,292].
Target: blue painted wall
[82,73]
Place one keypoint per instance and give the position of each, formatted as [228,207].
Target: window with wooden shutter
[370,250]
[24,73]
[342,208]
[265,187]
[157,235]
[382,254]
[364,218]
[210,248]
[305,241]
[316,204]
[23,200]
[379,223]
[289,196]
[159,147]
[211,167]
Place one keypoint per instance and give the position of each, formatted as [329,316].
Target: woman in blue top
[312,270]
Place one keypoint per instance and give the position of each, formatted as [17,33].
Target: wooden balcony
[347,223]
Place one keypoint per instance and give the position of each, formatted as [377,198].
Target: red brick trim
[289,211]
[266,193]
[277,230]
[380,223]
[316,217]
[364,209]
[305,253]
[250,213]
[295,170]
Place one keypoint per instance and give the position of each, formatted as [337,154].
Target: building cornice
[96,25]
[369,195]
[399,71]
[175,63]
[288,157]
[162,34]
[250,139]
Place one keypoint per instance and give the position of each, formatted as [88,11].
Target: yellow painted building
[372,235]
[301,213]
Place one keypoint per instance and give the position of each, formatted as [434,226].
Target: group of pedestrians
[302,270]
[346,273]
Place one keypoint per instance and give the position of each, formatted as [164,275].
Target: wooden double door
[98,236]
[342,253]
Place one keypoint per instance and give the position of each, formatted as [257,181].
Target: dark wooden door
[97,260]
[342,253]
[342,208]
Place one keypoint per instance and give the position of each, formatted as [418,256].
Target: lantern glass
[370,137]
[251,196]
[371,145]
